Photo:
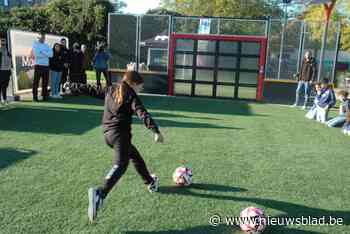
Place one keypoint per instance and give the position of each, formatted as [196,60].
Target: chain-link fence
[142,43]
[220,26]
[289,41]
[144,39]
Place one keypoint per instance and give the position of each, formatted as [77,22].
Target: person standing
[306,77]
[76,65]
[100,62]
[56,67]
[121,102]
[41,52]
[67,59]
[5,71]
[86,63]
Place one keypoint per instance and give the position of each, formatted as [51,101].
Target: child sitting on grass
[311,114]
[346,127]
[326,101]
[342,95]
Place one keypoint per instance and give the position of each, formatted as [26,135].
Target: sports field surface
[242,154]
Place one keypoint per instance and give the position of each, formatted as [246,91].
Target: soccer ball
[182,176]
[252,220]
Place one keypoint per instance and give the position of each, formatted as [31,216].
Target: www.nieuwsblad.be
[216,220]
[285,221]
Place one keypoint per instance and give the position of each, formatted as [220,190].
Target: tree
[223,8]
[83,21]
[339,15]
[162,11]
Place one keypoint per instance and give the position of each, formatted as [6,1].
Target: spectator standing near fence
[56,67]
[76,66]
[67,59]
[86,62]
[100,62]
[5,71]
[41,52]
[305,79]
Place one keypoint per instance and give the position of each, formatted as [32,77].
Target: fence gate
[217,66]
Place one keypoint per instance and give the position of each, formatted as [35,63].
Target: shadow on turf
[175,124]
[171,115]
[187,104]
[290,209]
[222,229]
[78,100]
[9,156]
[200,105]
[49,119]
[204,187]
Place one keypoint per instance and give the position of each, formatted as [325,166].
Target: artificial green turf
[242,154]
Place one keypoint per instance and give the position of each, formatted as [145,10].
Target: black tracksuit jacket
[118,118]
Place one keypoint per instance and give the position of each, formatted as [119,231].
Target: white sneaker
[294,105]
[153,187]
[304,108]
[95,203]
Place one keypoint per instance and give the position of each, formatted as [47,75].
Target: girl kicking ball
[121,103]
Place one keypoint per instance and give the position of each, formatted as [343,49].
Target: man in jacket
[306,77]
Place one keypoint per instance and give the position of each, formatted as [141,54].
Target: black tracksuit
[116,122]
[67,60]
[76,67]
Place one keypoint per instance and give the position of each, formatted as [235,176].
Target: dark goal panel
[217,66]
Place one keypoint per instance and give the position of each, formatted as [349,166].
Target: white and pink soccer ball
[183,176]
[252,220]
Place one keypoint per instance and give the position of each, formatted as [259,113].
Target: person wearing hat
[41,52]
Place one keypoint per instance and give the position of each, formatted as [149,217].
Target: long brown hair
[131,78]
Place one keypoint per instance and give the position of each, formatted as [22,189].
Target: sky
[140,6]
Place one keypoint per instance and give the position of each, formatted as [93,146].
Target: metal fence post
[337,48]
[137,42]
[268,35]
[301,45]
[281,51]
